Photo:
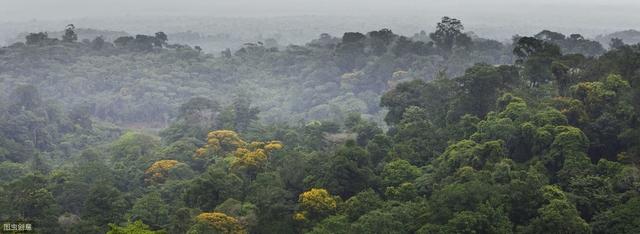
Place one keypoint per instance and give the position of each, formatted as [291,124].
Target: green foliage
[479,88]
[397,172]
[471,154]
[137,227]
[622,218]
[336,224]
[472,142]
[10,171]
[133,146]
[104,204]
[151,210]
[486,220]
[28,199]
[418,141]
[362,203]
[246,213]
[449,34]
[559,216]
[212,188]
[377,222]
[347,172]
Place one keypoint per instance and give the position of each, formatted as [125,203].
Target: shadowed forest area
[441,131]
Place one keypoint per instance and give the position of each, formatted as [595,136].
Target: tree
[268,192]
[70,194]
[254,157]
[623,218]
[366,130]
[181,221]
[336,224]
[480,88]
[562,78]
[416,139]
[37,38]
[10,171]
[399,171]
[240,114]
[137,227]
[361,204]
[92,169]
[248,157]
[607,111]
[449,34]
[569,145]
[349,171]
[526,47]
[592,195]
[27,198]
[221,142]
[199,110]
[536,56]
[123,41]
[378,221]
[486,220]
[350,53]
[351,37]
[244,212]
[105,204]
[151,210]
[70,34]
[133,146]
[558,215]
[468,194]
[39,166]
[143,43]
[26,97]
[159,171]
[380,40]
[81,115]
[616,43]
[212,188]
[547,35]
[525,195]
[218,223]
[538,70]
[433,97]
[315,204]
[160,39]
[98,43]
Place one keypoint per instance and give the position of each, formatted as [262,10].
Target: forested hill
[440,132]
[141,80]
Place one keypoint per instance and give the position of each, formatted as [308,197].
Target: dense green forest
[438,132]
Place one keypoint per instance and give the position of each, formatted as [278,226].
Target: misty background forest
[319,122]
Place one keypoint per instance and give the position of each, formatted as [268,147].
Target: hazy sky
[63,9]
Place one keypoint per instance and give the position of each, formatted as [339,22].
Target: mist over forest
[297,22]
[130,117]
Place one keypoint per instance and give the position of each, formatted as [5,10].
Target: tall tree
[449,34]
[70,34]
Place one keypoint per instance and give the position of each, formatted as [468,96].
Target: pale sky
[19,10]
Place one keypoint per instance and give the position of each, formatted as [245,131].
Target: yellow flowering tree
[255,155]
[221,222]
[158,171]
[316,202]
[249,159]
[221,142]
[247,156]
[273,145]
